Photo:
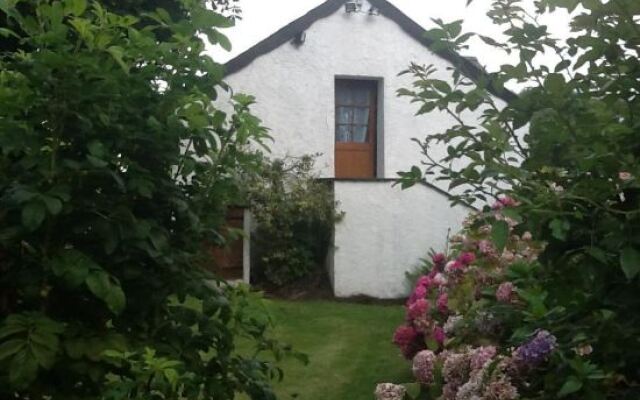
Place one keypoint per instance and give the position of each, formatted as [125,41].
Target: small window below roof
[356,122]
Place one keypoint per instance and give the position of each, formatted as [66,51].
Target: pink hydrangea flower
[527,236]
[467,258]
[424,366]
[423,324]
[453,266]
[389,391]
[443,303]
[424,281]
[418,309]
[455,369]
[404,334]
[439,335]
[501,389]
[505,292]
[418,293]
[508,256]
[439,259]
[486,247]
[405,338]
[481,355]
[508,201]
[440,280]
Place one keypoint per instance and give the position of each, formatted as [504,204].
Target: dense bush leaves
[295,214]
[567,149]
[115,169]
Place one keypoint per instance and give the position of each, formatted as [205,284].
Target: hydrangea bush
[567,149]
[460,332]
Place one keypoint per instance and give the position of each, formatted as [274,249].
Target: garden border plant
[295,213]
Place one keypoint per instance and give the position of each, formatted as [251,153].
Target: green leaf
[413,389]
[103,286]
[630,262]
[72,266]
[75,7]
[512,213]
[118,53]
[45,356]
[562,65]
[33,215]
[572,385]
[555,83]
[8,32]
[500,234]
[23,369]
[96,162]
[223,41]
[559,229]
[10,330]
[53,204]
[11,347]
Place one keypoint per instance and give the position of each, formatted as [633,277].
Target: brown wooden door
[356,121]
[229,260]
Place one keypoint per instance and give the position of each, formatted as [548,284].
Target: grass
[349,348]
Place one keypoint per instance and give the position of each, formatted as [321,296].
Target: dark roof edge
[396,181]
[282,36]
[412,28]
[415,30]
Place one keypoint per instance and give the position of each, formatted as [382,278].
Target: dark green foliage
[115,168]
[568,147]
[294,214]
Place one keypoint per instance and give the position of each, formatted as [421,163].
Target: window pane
[361,96]
[344,95]
[342,133]
[344,115]
[361,116]
[359,133]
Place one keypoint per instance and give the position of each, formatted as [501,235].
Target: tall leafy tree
[115,169]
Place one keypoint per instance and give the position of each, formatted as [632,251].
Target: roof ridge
[468,67]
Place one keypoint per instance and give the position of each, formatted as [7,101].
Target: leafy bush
[568,150]
[295,214]
[114,170]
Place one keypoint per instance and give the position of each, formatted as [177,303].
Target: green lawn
[349,346]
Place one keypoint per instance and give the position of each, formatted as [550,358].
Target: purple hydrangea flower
[536,350]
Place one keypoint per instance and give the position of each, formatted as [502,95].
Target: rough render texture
[294,87]
[384,234]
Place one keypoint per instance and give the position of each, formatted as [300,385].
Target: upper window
[355,110]
[356,128]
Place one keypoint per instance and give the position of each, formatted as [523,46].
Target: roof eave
[412,28]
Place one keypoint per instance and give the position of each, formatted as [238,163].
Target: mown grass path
[349,346]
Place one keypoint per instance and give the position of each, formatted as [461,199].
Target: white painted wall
[384,233]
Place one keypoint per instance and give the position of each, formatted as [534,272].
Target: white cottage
[326,83]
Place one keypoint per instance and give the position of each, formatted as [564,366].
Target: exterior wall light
[352,6]
[300,38]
